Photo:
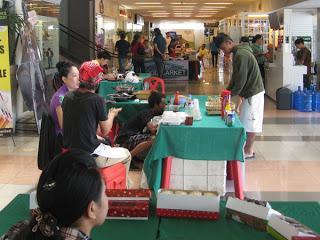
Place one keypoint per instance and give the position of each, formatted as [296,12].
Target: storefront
[288,25]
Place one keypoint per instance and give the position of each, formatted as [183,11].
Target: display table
[174,69]
[108,87]
[129,109]
[18,210]
[170,229]
[208,139]
[307,213]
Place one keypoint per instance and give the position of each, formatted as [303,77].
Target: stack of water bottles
[306,100]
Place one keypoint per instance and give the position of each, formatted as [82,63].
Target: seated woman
[132,135]
[69,74]
[71,198]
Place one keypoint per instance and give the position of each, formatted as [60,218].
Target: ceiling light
[151,6]
[146,3]
[214,7]
[257,16]
[218,3]
[182,3]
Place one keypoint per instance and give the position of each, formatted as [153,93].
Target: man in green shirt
[246,82]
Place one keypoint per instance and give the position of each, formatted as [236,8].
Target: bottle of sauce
[176,98]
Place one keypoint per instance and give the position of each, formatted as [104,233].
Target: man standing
[85,116]
[247,83]
[160,47]
[214,52]
[50,57]
[304,58]
[123,48]
[168,41]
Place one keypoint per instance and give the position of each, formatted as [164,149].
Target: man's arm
[152,128]
[240,75]
[106,126]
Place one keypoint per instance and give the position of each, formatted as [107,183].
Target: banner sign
[6,120]
[174,69]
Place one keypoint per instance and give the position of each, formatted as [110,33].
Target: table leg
[229,171]
[237,175]
[166,172]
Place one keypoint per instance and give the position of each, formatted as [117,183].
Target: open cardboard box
[253,213]
[285,228]
[188,204]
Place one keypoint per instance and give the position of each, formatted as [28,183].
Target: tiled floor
[286,167]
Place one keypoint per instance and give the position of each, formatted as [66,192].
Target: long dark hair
[65,189]
[135,39]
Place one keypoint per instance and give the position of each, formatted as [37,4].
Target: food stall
[175,69]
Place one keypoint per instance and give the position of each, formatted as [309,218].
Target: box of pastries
[188,204]
[285,228]
[128,204]
[251,212]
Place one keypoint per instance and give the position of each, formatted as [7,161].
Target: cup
[189,121]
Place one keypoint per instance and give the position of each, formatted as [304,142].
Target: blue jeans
[122,64]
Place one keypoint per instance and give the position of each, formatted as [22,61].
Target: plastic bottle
[307,101]
[318,102]
[314,95]
[176,98]
[298,99]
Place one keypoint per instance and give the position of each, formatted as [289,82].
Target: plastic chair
[154,83]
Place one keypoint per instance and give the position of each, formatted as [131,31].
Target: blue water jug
[318,102]
[298,99]
[307,101]
[314,100]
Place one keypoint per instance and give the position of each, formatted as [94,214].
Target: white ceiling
[187,9]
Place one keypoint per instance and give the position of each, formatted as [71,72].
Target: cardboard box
[188,204]
[128,204]
[285,228]
[251,212]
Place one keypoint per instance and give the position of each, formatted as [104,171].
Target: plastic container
[307,101]
[224,98]
[284,98]
[314,94]
[298,99]
[317,109]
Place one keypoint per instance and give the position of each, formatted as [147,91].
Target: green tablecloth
[107,87]
[18,210]
[223,229]
[307,213]
[208,139]
[129,109]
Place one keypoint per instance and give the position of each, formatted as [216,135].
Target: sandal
[249,156]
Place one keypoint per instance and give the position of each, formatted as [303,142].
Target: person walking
[214,52]
[160,47]
[49,54]
[138,52]
[246,82]
[257,49]
[123,48]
